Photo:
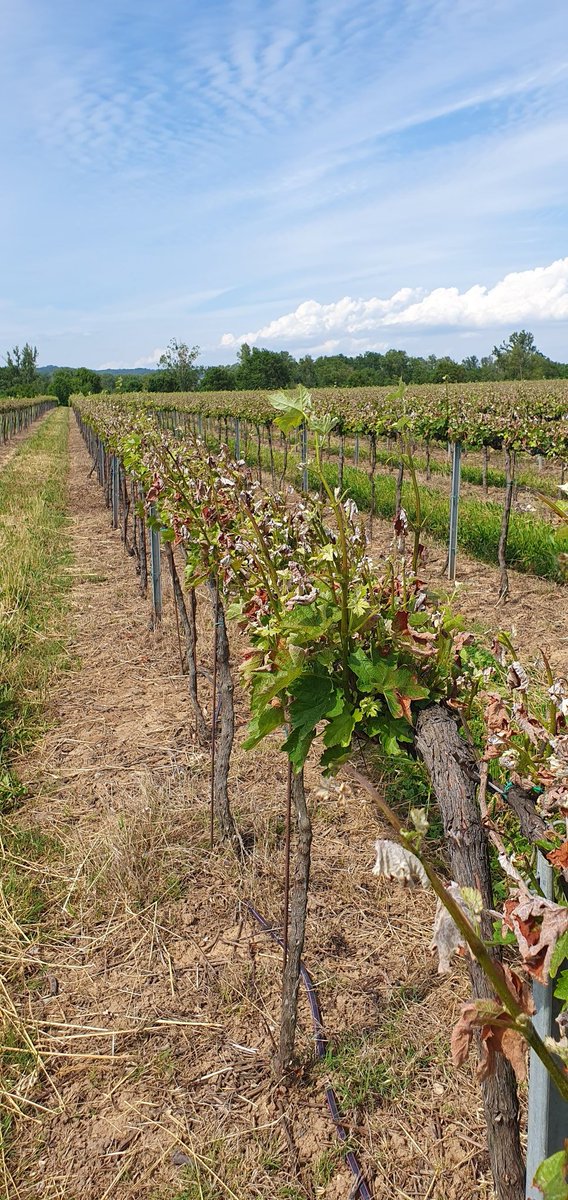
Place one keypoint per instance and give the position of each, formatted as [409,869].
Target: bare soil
[153,995]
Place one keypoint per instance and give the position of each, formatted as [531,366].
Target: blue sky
[315,175]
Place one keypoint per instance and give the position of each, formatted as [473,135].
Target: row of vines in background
[16,415]
[528,419]
[532,414]
[353,662]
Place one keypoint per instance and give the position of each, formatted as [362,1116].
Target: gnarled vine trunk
[453,769]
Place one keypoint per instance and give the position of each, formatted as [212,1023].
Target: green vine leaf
[552,1176]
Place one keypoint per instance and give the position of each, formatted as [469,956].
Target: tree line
[515,358]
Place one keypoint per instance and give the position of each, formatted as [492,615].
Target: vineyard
[245,639]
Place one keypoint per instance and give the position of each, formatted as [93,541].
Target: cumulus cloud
[533,296]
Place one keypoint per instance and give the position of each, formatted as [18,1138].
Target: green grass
[366,1070]
[531,547]
[533,544]
[531,480]
[35,555]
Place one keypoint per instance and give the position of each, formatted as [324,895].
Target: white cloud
[151,360]
[532,296]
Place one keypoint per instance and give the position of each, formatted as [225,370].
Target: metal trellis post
[548,1112]
[304,456]
[115,490]
[237,439]
[454,505]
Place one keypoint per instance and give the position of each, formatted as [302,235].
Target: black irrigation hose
[360,1190]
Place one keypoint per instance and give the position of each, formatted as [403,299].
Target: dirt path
[155,997]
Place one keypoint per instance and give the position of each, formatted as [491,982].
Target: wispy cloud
[536,296]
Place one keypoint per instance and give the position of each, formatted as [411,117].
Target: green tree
[87,381]
[263,368]
[307,371]
[129,383]
[162,381]
[218,379]
[62,384]
[397,365]
[20,373]
[447,368]
[333,370]
[180,359]
[518,358]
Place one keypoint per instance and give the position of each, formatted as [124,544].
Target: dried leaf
[396,862]
[537,924]
[529,725]
[517,678]
[559,857]
[446,937]
[496,1037]
[496,714]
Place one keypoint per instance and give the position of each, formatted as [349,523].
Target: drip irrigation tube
[361,1189]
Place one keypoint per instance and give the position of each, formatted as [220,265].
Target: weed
[325,1166]
[361,1073]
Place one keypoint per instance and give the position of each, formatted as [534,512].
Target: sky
[317,176]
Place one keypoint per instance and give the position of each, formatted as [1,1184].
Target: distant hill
[114,371]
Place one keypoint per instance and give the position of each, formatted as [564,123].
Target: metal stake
[237,439]
[304,456]
[155,565]
[548,1112]
[454,505]
[115,486]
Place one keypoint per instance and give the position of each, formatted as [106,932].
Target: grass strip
[533,545]
[34,580]
[527,480]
